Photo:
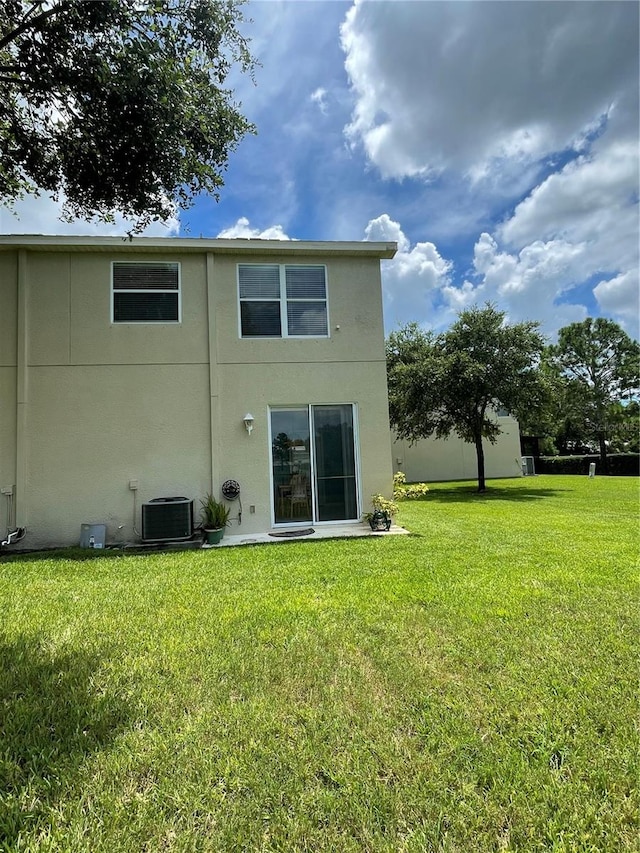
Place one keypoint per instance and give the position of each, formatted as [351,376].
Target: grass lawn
[472,687]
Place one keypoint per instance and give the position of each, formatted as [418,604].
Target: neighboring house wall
[88,405]
[432,460]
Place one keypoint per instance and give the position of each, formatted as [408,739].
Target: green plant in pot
[215,517]
[383,512]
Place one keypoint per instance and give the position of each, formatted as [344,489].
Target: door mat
[290,533]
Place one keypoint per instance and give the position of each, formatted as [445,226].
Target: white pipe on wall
[22,376]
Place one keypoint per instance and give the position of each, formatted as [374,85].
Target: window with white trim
[283,301]
[147,292]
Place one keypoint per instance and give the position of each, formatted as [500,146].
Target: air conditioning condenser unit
[167,519]
[528,466]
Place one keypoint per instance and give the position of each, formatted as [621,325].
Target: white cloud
[41,215]
[620,297]
[319,97]
[529,285]
[474,86]
[544,282]
[418,284]
[243,229]
[534,102]
[549,268]
[459,298]
[385,229]
[540,282]
[579,223]
[524,115]
[412,280]
[591,200]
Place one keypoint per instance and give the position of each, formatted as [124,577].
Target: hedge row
[620,464]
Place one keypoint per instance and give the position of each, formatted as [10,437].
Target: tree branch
[32,23]
[142,33]
[18,81]
[35,5]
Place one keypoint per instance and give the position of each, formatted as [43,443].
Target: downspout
[22,396]
[214,399]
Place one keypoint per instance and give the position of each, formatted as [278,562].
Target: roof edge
[251,246]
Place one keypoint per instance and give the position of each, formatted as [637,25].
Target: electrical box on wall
[93,535]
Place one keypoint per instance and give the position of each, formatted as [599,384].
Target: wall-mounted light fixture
[248,422]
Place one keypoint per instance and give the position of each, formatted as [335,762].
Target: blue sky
[497,142]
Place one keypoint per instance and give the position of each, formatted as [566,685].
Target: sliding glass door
[291,465]
[335,463]
[313,464]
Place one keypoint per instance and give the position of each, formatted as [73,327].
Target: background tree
[558,423]
[282,448]
[119,106]
[453,382]
[600,365]
[624,428]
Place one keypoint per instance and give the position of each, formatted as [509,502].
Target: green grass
[471,687]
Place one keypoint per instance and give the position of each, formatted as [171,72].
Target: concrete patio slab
[330,531]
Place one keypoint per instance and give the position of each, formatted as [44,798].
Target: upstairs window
[146,292]
[283,301]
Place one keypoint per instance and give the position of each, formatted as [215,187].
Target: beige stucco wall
[93,428]
[433,460]
[69,314]
[108,403]
[247,458]
[355,306]
[346,367]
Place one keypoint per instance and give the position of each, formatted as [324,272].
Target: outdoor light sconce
[248,422]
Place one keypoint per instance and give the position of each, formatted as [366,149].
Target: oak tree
[599,365]
[455,381]
[118,106]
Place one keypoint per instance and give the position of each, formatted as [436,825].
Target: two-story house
[132,370]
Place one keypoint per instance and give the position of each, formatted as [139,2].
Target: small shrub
[402,491]
[379,502]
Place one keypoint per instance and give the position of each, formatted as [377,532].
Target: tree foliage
[599,366]
[116,105]
[453,382]
[557,423]
[623,432]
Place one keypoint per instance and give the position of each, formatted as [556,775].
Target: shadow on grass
[52,716]
[467,494]
[76,554]
[83,555]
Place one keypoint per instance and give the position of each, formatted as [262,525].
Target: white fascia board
[239,246]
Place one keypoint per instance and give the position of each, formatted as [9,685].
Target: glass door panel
[291,465]
[335,463]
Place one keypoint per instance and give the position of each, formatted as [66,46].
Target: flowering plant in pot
[215,517]
[383,512]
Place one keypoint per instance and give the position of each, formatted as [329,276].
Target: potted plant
[215,517]
[383,512]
